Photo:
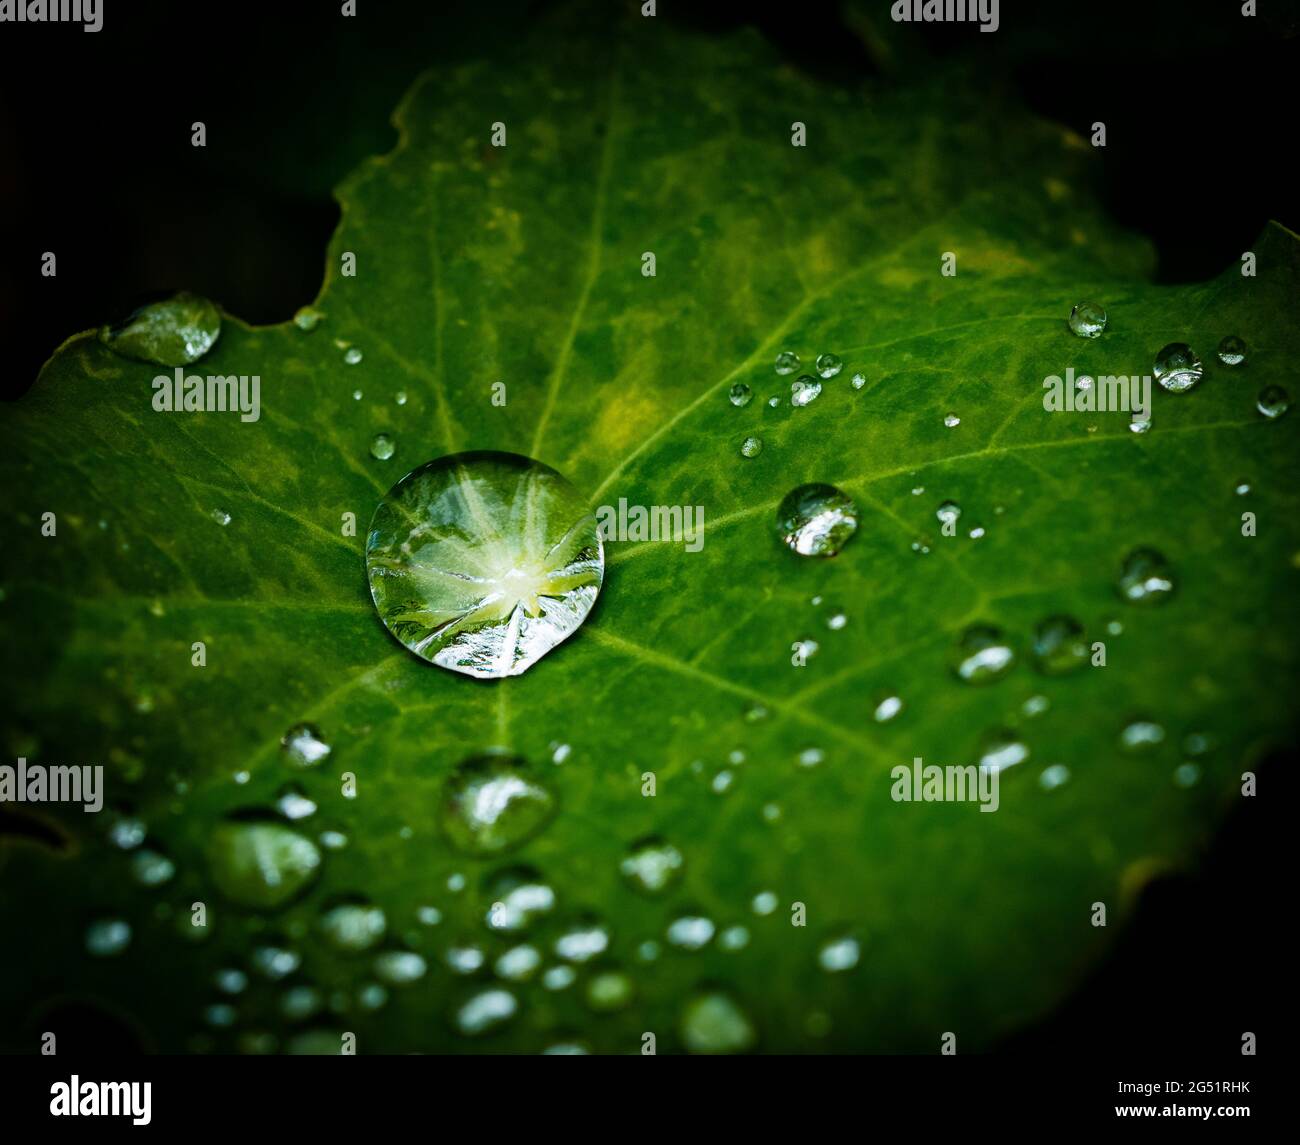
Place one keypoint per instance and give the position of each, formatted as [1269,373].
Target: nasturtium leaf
[523,265]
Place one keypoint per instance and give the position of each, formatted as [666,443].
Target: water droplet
[1198,743]
[948,511]
[787,361]
[231,981]
[804,391]
[518,964]
[486,1011]
[400,397]
[836,620]
[722,782]
[1140,735]
[828,365]
[1084,382]
[807,648]
[352,355]
[357,395]
[1186,775]
[1054,776]
[428,915]
[303,746]
[1243,488]
[1273,402]
[764,902]
[1232,351]
[175,332]
[754,712]
[353,924]
[1178,368]
[464,959]
[1145,577]
[816,520]
[108,937]
[520,896]
[1059,646]
[810,757]
[493,803]
[299,1003]
[652,865]
[582,941]
[888,706]
[773,401]
[1001,750]
[751,447]
[221,517]
[307,319]
[690,932]
[839,954]
[127,833]
[858,381]
[383,447]
[399,967]
[714,1023]
[608,991]
[151,869]
[258,862]
[734,938]
[292,802]
[1035,705]
[741,395]
[1088,320]
[559,977]
[1139,424]
[275,962]
[982,655]
[483,562]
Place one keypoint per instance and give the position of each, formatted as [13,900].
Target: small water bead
[108,937]
[652,866]
[484,562]
[151,869]
[774,401]
[976,533]
[1001,750]
[751,446]
[811,757]
[1232,351]
[839,954]
[428,915]
[1198,743]
[1186,775]
[1242,488]
[713,1023]
[951,420]
[400,967]
[828,365]
[1059,646]
[486,1011]
[518,964]
[764,903]
[220,1015]
[293,803]
[582,941]
[858,381]
[888,707]
[353,924]
[1145,577]
[1053,777]
[274,962]
[648,950]
[1273,402]
[733,938]
[231,981]
[307,319]
[690,932]
[1139,735]
[352,356]
[1084,382]
[127,833]
[175,332]
[400,397]
[982,655]
[299,1003]
[754,712]
[520,897]
[455,882]
[836,621]
[803,391]
[220,516]
[303,746]
[383,447]
[816,520]
[1035,705]
[609,991]
[1139,424]
[357,395]
[948,511]
[740,395]
[1088,320]
[559,977]
[722,782]
[1178,368]
[787,361]
[464,959]
[491,804]
[258,862]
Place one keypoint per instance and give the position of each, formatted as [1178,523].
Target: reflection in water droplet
[220,516]
[303,746]
[787,361]
[652,865]
[493,803]
[293,803]
[383,447]
[1232,351]
[982,655]
[1059,646]
[483,562]
[175,332]
[816,520]
[257,861]
[1273,402]
[1177,367]
[1088,320]
[1145,577]
[740,395]
[713,1023]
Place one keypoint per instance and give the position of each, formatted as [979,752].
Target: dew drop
[1177,367]
[151,869]
[352,356]
[1059,646]
[518,964]
[1088,320]
[1054,776]
[221,517]
[293,803]
[1232,351]
[582,941]
[1139,424]
[713,1023]
[652,865]
[888,707]
[108,937]
[491,804]
[982,655]
[1140,735]
[383,447]
[858,381]
[734,938]
[307,319]
[520,897]
[948,511]
[751,447]
[175,332]
[257,861]
[400,397]
[1084,382]
[485,1011]
[1273,402]
[787,361]
[609,991]
[836,620]
[810,757]
[804,391]
[816,520]
[483,562]
[839,954]
[764,903]
[1145,577]
[740,395]
[303,746]
[951,420]
[353,924]
[828,365]
[690,932]
[400,967]
[1001,750]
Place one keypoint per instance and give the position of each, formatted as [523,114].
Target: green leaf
[522,265]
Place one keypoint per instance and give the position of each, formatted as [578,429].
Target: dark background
[96,165]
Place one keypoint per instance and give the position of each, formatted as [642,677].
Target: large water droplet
[982,655]
[383,446]
[1178,367]
[1059,646]
[740,395]
[258,862]
[787,361]
[652,865]
[816,520]
[1088,320]
[690,932]
[492,803]
[751,446]
[1145,577]
[804,390]
[484,562]
[175,332]
[828,365]
[1273,402]
[1232,351]
[713,1023]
